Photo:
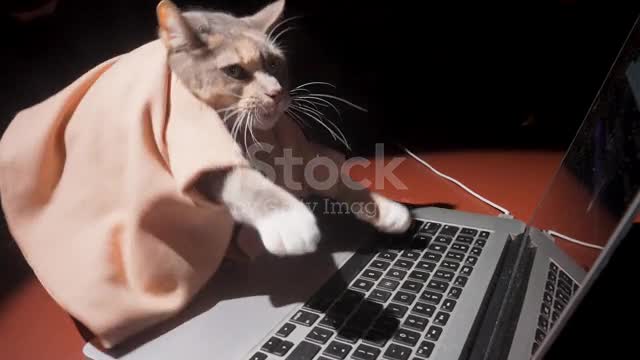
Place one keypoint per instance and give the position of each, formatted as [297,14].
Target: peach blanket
[97,186]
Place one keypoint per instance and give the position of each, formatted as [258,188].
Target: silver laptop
[456,286]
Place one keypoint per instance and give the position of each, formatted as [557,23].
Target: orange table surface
[33,326]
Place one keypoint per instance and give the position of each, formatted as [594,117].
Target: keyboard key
[431,256]
[425,349]
[271,345]
[439,248]
[411,286]
[397,352]
[365,352]
[471,260]
[419,275]
[558,306]
[380,265]
[406,337]
[455,292]
[564,277]
[337,350]
[259,356]
[349,335]
[460,247]
[411,255]
[448,305]
[333,321]
[431,297]
[365,314]
[372,274]
[476,251]
[545,310]
[551,276]
[543,323]
[555,316]
[319,335]
[379,295]
[445,275]
[285,330]
[420,242]
[455,256]
[534,348]
[466,270]
[403,264]
[416,322]
[396,274]
[388,284]
[347,302]
[362,284]
[564,286]
[424,309]
[320,302]
[550,287]
[464,239]
[426,266]
[387,255]
[553,267]
[467,231]
[547,298]
[540,335]
[560,294]
[304,351]
[461,281]
[441,318]
[376,337]
[576,287]
[484,235]
[396,310]
[449,230]
[404,298]
[481,242]
[434,333]
[439,286]
[283,348]
[431,228]
[304,318]
[450,265]
[387,324]
[443,240]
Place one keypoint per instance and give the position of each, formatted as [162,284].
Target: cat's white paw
[392,217]
[292,231]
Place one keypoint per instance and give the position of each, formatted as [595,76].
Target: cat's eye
[236,71]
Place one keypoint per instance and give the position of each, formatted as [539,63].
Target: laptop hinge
[494,326]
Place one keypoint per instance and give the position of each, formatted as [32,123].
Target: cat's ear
[174,30]
[265,18]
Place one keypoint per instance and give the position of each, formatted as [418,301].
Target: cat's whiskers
[321,116]
[314,83]
[284,21]
[286,30]
[320,119]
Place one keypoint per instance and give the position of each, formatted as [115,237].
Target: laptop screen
[600,174]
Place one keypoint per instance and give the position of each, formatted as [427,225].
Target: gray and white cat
[232,62]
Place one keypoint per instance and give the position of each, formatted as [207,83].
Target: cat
[232,62]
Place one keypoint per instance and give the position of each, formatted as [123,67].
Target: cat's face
[228,62]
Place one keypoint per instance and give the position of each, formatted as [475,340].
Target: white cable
[498,207]
[480,197]
[572,240]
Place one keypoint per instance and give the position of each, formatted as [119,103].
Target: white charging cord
[572,240]
[480,197]
[490,203]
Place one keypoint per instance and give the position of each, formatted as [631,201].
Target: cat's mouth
[268,117]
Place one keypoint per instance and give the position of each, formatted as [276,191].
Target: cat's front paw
[392,216]
[290,231]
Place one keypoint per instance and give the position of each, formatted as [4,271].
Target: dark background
[506,76]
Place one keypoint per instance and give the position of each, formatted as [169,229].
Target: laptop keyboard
[395,308]
[559,289]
